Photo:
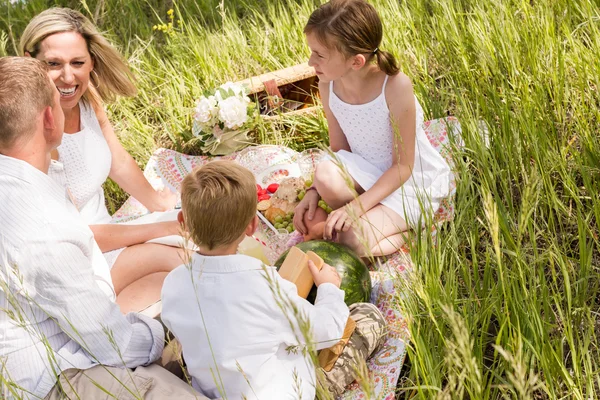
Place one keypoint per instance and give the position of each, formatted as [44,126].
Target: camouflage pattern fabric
[369,335]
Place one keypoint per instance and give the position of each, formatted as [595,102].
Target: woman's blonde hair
[111,75]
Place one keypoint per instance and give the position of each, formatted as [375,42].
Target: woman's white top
[86,158]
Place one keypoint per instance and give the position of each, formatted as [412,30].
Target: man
[60,334]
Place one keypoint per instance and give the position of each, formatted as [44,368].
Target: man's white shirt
[57,307]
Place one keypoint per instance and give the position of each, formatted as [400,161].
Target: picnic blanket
[167,168]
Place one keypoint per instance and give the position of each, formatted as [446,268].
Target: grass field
[507,305]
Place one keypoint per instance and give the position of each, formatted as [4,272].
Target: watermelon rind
[356,280]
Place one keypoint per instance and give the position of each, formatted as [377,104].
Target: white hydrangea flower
[233,112]
[237,90]
[206,109]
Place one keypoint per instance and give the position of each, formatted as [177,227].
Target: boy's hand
[327,274]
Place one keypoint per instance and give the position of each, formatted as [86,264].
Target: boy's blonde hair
[218,201]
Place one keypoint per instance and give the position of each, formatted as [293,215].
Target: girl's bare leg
[379,232]
[335,186]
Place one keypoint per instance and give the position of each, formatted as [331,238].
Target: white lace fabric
[86,158]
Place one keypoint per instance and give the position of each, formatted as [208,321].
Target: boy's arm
[322,323]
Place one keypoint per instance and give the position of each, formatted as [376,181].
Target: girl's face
[329,64]
[69,65]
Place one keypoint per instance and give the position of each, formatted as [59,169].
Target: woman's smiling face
[69,65]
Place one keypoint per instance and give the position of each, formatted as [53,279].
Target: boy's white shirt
[224,311]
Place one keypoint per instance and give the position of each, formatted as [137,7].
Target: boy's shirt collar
[227,263]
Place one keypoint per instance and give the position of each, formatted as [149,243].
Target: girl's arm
[115,236]
[126,173]
[337,139]
[403,115]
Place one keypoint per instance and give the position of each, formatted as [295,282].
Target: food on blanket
[261,193]
[325,207]
[284,222]
[272,188]
[316,226]
[263,205]
[283,204]
[273,212]
[286,195]
[295,269]
[301,194]
[276,176]
[308,183]
[262,197]
[356,281]
[289,188]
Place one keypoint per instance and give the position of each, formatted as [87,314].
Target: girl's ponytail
[386,62]
[352,27]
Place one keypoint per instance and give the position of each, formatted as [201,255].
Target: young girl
[386,177]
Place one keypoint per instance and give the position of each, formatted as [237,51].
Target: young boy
[237,320]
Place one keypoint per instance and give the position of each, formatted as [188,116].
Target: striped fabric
[54,310]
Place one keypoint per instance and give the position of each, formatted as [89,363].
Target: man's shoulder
[28,213]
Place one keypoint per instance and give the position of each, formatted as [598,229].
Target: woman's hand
[308,204]
[164,200]
[342,219]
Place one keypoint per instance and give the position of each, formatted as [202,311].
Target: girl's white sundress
[86,159]
[370,134]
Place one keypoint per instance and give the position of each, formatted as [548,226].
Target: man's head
[29,104]
[218,203]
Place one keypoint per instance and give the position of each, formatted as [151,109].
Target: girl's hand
[164,200]
[341,220]
[308,204]
[327,274]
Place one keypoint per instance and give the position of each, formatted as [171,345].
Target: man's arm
[59,279]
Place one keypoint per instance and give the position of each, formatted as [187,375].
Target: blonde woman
[88,71]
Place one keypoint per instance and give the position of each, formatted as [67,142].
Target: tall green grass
[507,304]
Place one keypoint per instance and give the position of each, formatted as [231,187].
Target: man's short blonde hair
[25,91]
[218,201]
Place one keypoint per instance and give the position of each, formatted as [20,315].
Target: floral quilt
[167,168]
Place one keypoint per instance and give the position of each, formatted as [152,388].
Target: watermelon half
[356,281]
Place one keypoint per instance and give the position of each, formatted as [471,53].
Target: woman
[88,71]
